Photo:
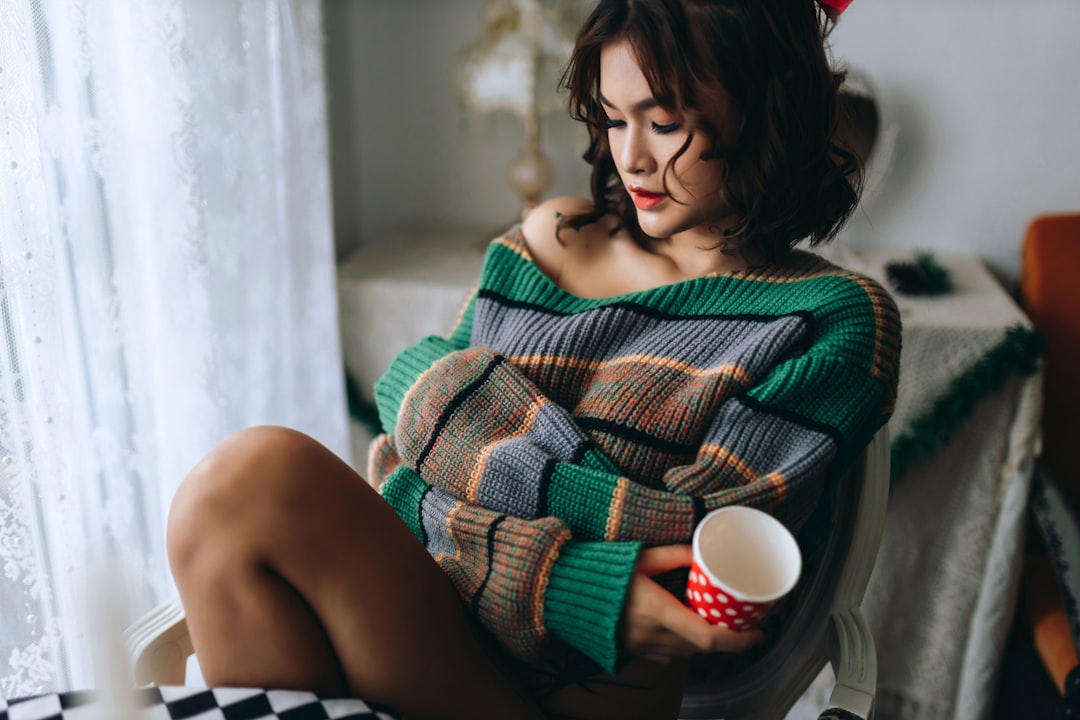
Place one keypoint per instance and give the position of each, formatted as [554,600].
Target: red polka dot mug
[744,561]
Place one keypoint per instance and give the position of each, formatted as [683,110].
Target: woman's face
[643,138]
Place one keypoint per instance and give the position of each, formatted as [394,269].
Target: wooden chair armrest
[159,645]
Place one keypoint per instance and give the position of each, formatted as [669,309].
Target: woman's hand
[658,626]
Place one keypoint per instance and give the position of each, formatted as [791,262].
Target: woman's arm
[475,427]
[529,580]
[526,580]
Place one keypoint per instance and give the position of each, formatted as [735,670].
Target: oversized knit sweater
[537,448]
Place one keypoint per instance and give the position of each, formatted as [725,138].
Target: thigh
[275,537]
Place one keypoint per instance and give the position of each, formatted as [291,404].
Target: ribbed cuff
[585,595]
[407,367]
[403,491]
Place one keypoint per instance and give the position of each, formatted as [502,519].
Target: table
[965,432]
[944,589]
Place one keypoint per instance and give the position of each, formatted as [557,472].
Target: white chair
[160,645]
[826,624]
[828,627]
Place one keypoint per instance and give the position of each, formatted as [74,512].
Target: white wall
[404,151]
[985,93]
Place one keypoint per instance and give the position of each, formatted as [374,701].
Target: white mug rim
[736,595]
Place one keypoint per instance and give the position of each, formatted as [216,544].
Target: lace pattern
[166,278]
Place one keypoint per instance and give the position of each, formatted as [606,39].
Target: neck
[694,254]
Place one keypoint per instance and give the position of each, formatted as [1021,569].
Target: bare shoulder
[551,250]
[542,223]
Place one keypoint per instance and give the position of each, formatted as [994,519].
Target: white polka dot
[723,624]
[703,613]
[697,596]
[708,598]
[739,621]
[722,597]
[689,593]
[714,612]
[748,608]
[730,611]
[693,577]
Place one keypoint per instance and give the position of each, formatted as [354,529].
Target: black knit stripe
[583,450]
[637,308]
[592,340]
[637,436]
[454,404]
[700,511]
[492,529]
[423,530]
[545,483]
[792,417]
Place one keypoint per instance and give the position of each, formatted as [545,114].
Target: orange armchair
[1050,294]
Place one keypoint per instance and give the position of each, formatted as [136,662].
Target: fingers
[705,636]
[659,624]
[653,561]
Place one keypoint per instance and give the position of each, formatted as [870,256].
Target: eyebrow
[641,106]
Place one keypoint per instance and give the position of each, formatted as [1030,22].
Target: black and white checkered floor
[194,703]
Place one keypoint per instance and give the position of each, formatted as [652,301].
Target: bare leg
[294,573]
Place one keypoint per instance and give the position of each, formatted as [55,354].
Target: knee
[222,502]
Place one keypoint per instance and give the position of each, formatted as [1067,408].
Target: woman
[629,362]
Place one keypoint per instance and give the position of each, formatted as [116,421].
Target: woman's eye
[611,124]
[665,128]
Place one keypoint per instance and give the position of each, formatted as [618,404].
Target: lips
[644,200]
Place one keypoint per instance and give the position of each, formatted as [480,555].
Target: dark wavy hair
[752,70]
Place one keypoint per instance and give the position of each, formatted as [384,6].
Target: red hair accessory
[833,8]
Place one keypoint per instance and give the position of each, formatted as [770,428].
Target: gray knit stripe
[793,449]
[512,480]
[608,333]
[434,509]
[555,432]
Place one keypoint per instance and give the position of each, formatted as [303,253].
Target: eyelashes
[657,128]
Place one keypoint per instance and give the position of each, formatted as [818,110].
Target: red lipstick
[645,200]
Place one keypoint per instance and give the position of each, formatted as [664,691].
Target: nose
[635,155]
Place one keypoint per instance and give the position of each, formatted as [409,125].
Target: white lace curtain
[166,277]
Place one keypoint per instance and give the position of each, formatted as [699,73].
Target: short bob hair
[758,66]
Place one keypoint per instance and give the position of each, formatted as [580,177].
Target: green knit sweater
[540,445]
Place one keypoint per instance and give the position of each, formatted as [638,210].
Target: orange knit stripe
[615,509]
[516,242]
[722,456]
[561,361]
[449,523]
[476,474]
[779,484]
[472,490]
[880,370]
[542,579]
[419,381]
